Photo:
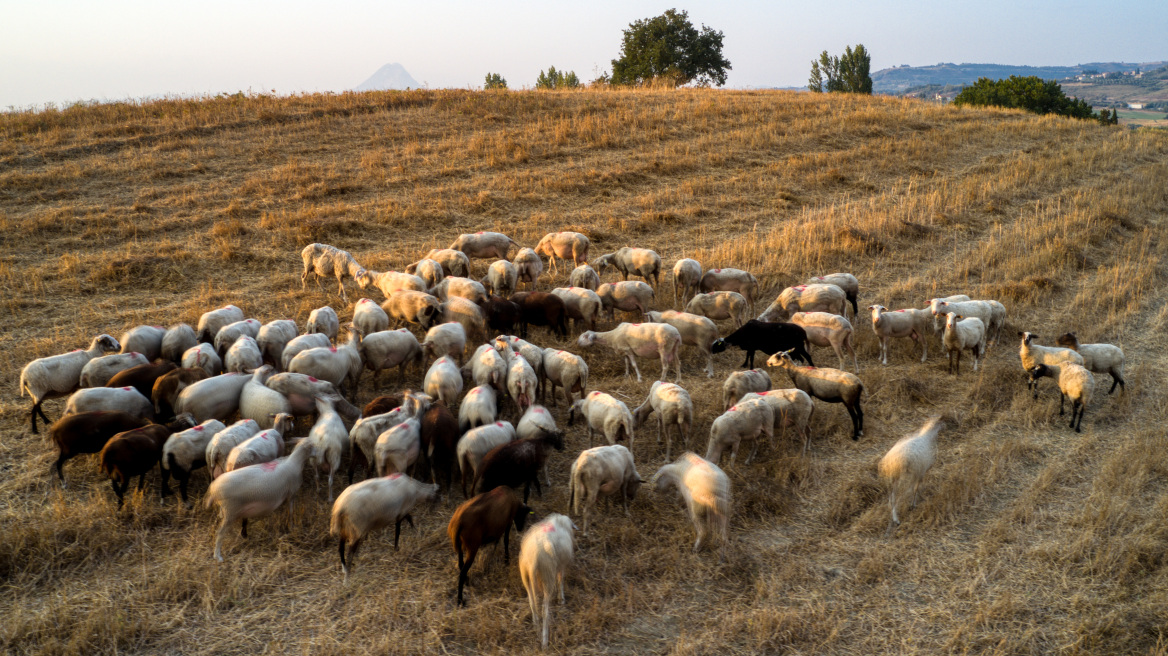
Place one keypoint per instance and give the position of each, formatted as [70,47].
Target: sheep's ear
[1020,333]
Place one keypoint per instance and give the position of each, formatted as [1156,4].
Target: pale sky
[61,50]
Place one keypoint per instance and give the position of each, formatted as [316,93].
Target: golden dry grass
[1030,539]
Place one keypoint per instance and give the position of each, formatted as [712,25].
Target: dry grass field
[1030,538]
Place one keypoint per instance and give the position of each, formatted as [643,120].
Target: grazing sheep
[211,322]
[674,408]
[454,262]
[687,276]
[529,267]
[146,340]
[323,320]
[582,305]
[166,389]
[479,408]
[391,281]
[464,288]
[830,385]
[135,452]
[178,338]
[440,437]
[938,324]
[390,348]
[324,261]
[584,276]
[445,340]
[1075,382]
[381,405]
[98,371]
[827,329]
[330,441]
[229,334]
[488,367]
[541,309]
[185,452]
[600,472]
[110,399]
[792,407]
[243,356]
[906,463]
[337,364]
[212,398]
[261,403]
[429,270]
[1034,354]
[536,422]
[643,339]
[806,298]
[911,323]
[302,343]
[1098,358]
[254,492]
[844,281]
[375,504]
[963,333]
[566,370]
[363,436]
[517,464]
[706,491]
[522,382]
[483,520]
[222,442]
[142,377]
[695,330]
[740,383]
[87,432]
[730,280]
[545,554]
[502,278]
[484,245]
[502,314]
[530,352]
[477,443]
[767,337]
[632,262]
[997,321]
[301,392]
[203,356]
[468,314]
[745,420]
[264,446]
[605,413]
[413,307]
[443,381]
[273,337]
[628,296]
[564,245]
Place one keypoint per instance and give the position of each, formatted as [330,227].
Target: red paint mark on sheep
[333,349]
[548,528]
[198,428]
[394,475]
[269,466]
[126,389]
[499,424]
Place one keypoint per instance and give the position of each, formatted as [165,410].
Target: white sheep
[223,441]
[57,375]
[203,356]
[528,266]
[564,245]
[745,420]
[323,320]
[522,382]
[602,471]
[330,441]
[259,402]
[544,555]
[443,381]
[301,392]
[374,504]
[806,298]
[389,282]
[429,270]
[211,322]
[413,307]
[336,364]
[324,261]
[487,367]
[962,333]
[185,451]
[228,334]
[640,339]
[445,340]
[1075,382]
[938,322]
[910,323]
[826,384]
[475,444]
[537,422]
[977,309]
[178,338]
[706,491]
[243,356]
[110,399]
[632,262]
[584,276]
[827,329]
[628,296]
[792,407]
[730,280]
[566,370]
[906,463]
[398,447]
[273,337]
[502,278]
[363,436]
[741,383]
[997,321]
[479,408]
[98,371]
[212,398]
[254,492]
[605,413]
[845,281]
[454,262]
[694,329]
[146,340]
[467,314]
[302,343]
[530,352]
[458,287]
[687,275]
[264,446]
[674,409]
[1098,358]
[583,305]
[484,245]
[719,306]
[390,348]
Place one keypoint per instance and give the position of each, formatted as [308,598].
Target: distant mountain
[897,80]
[391,76]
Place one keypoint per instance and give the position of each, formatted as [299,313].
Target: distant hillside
[898,80]
[391,76]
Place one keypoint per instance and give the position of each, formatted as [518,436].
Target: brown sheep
[135,452]
[88,432]
[483,520]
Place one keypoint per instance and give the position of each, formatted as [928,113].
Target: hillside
[898,79]
[391,77]
[1028,538]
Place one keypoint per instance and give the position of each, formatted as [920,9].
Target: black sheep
[770,338]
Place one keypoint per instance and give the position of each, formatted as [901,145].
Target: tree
[669,47]
[1031,93]
[553,79]
[495,81]
[848,73]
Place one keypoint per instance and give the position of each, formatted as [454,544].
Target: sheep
[502,278]
[522,382]
[544,555]
[632,261]
[541,309]
[599,472]
[330,438]
[827,329]
[844,281]
[336,364]
[273,337]
[324,261]
[792,407]
[768,337]
[479,408]
[380,405]
[203,356]
[911,323]
[264,446]
[412,306]
[440,436]
[806,298]
[484,245]
[391,281]
[706,491]
[142,377]
[302,343]
[124,399]
[487,367]
[1075,382]
[454,262]
[98,371]
[566,370]
[457,287]
[530,352]
[997,321]
[1098,358]
[564,245]
[166,389]
[741,383]
[365,431]
[254,492]
[529,267]
[175,342]
[135,452]
[390,348]
[443,381]
[633,339]
[963,333]
[938,324]
[730,280]
[261,403]
[518,463]
[466,313]
[445,340]
[584,276]
[212,321]
[978,309]
[605,413]
[222,442]
[323,320]
[674,408]
[87,432]
[212,398]
[483,520]
[374,504]
[502,314]
[229,334]
[830,385]
[687,275]
[185,452]
[243,356]
[745,420]
[398,448]
[301,392]
[695,330]
[582,305]
[478,442]
[536,422]
[146,340]
[428,270]
[58,375]
[628,296]
[906,463]
[720,305]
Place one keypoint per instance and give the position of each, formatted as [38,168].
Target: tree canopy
[553,79]
[1031,93]
[670,47]
[848,73]
[495,81]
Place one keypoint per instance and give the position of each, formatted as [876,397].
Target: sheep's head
[718,345]
[1027,337]
[782,358]
[523,516]
[108,343]
[586,339]
[364,278]
[633,485]
[182,422]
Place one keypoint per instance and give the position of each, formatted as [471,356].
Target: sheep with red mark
[567,371]
[627,296]
[479,407]
[261,403]
[674,409]
[87,432]
[243,356]
[767,337]
[564,245]
[528,351]
[640,339]
[98,371]
[745,420]
[601,472]
[429,270]
[541,309]
[584,276]
[340,365]
[484,245]
[806,298]
[185,452]
[369,317]
[706,491]
[381,405]
[58,375]
[398,448]
[687,276]
[364,433]
[695,330]
[273,337]
[301,392]
[330,441]
[454,262]
[792,407]
[389,282]
[488,367]
[323,320]
[502,278]
[203,356]
[518,463]
[826,329]
[229,334]
[632,262]
[719,306]
[146,340]
[135,452]
[166,389]
[390,348]
[123,399]
[175,342]
[910,323]
[483,520]
[731,280]
[605,413]
[221,444]
[467,314]
[477,443]
[522,382]
[545,554]
[324,261]
[443,381]
[264,446]
[212,321]
[845,281]
[583,305]
[740,383]
[458,287]
[825,384]
[536,422]
[413,307]
[529,267]
[445,340]
[142,377]
[374,504]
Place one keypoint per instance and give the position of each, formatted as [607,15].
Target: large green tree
[848,73]
[1031,93]
[553,79]
[669,47]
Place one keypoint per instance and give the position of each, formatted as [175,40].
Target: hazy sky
[60,50]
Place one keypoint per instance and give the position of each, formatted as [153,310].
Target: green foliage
[495,81]
[849,73]
[553,79]
[669,47]
[1031,93]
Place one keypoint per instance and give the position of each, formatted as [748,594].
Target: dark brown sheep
[87,432]
[439,440]
[483,520]
[166,389]
[142,377]
[381,405]
[517,463]
[135,452]
[502,314]
[541,309]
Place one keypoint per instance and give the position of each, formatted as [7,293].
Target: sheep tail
[168,462]
[24,385]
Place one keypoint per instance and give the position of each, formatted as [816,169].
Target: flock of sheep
[192,381]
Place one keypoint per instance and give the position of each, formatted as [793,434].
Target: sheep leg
[60,474]
[749,361]
[560,581]
[330,483]
[894,521]
[182,488]
[1062,399]
[397,530]
[164,487]
[341,551]
[243,529]
[632,357]
[753,451]
[341,287]
[463,568]
[219,535]
[527,491]
[117,491]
